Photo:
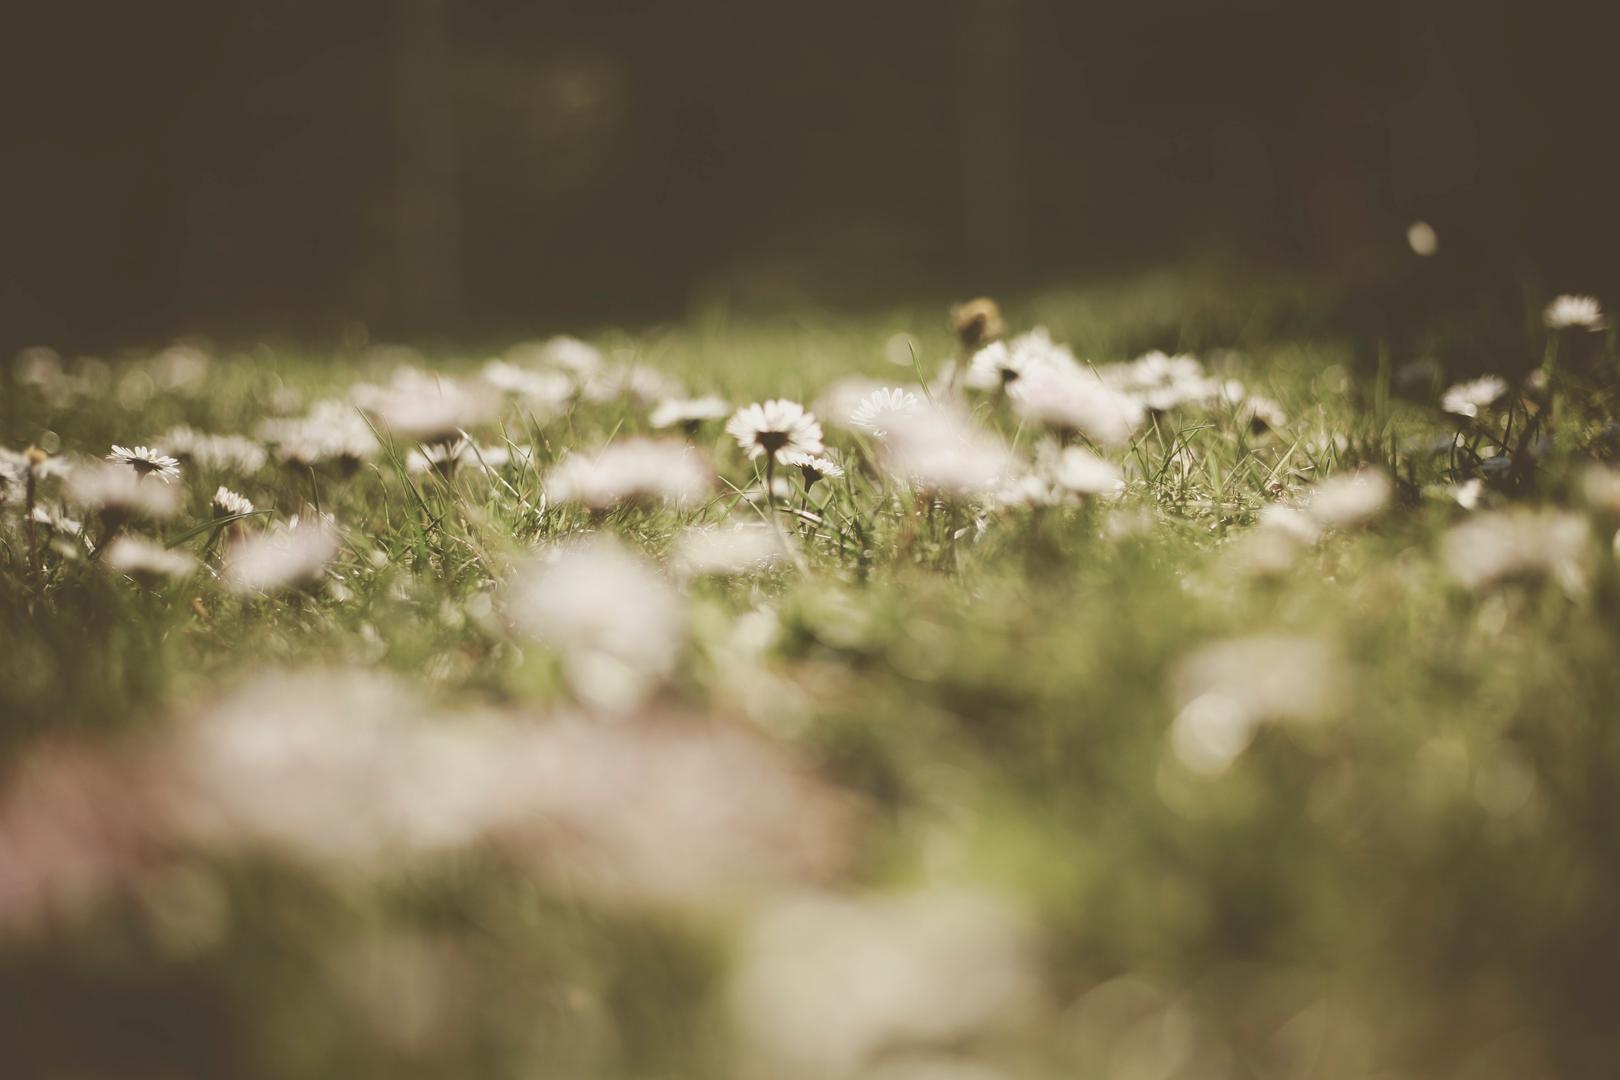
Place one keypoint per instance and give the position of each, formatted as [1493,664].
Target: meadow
[1135,682]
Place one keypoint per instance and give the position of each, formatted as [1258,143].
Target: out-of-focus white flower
[1349,498]
[942,452]
[616,622]
[146,461]
[1574,312]
[283,557]
[113,488]
[1499,545]
[1422,239]
[545,392]
[227,503]
[1001,364]
[814,467]
[236,453]
[1078,470]
[840,398]
[421,407]
[446,458]
[663,810]
[1159,381]
[1297,525]
[1261,414]
[580,358]
[344,768]
[1468,494]
[53,518]
[332,431]
[142,558]
[689,412]
[639,383]
[1468,398]
[1077,401]
[1029,490]
[827,984]
[1600,487]
[727,549]
[1223,691]
[631,471]
[1275,545]
[775,427]
[875,411]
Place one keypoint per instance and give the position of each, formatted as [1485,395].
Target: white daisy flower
[227,503]
[145,559]
[1468,398]
[1579,312]
[813,466]
[118,489]
[1078,470]
[999,365]
[1077,402]
[284,557]
[637,382]
[775,427]
[1261,414]
[943,452]
[580,358]
[727,549]
[418,406]
[876,411]
[546,392]
[146,461]
[57,521]
[332,431]
[631,471]
[689,412]
[1468,494]
[1028,490]
[1350,498]
[617,623]
[1600,486]
[1159,381]
[1297,525]
[1494,546]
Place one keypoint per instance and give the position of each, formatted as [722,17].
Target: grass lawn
[1247,709]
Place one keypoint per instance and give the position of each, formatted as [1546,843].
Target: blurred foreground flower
[1349,499]
[1224,691]
[1466,399]
[146,560]
[728,549]
[615,621]
[1574,312]
[637,471]
[1520,543]
[284,557]
[942,452]
[119,490]
[356,772]
[828,985]
[1077,402]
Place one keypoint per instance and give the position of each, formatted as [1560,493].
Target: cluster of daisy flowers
[1012,424]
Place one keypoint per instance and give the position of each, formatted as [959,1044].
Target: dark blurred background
[453,168]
